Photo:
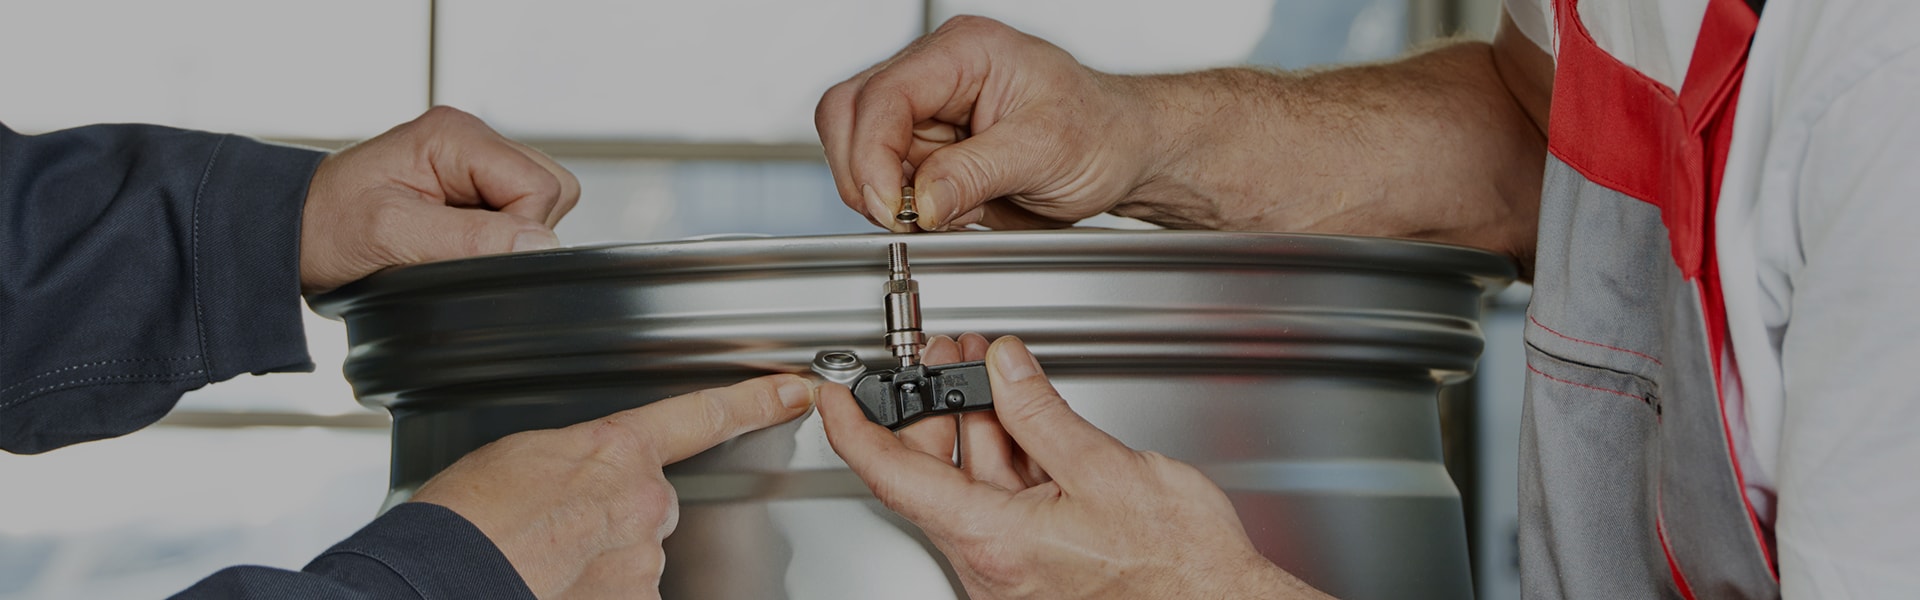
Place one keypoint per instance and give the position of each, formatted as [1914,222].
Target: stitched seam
[31,394]
[60,370]
[1598,344]
[1667,94]
[1537,371]
[1587,365]
[1609,182]
[383,562]
[199,318]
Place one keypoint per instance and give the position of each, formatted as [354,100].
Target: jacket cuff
[426,548]
[246,256]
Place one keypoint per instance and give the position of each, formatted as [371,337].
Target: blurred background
[680,118]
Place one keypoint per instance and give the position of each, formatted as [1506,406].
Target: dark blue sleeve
[140,262]
[415,550]
[137,263]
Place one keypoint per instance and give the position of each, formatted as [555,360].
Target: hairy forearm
[1256,578]
[1431,147]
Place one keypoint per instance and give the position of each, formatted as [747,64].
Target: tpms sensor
[897,397]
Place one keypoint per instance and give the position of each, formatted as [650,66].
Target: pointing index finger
[673,429]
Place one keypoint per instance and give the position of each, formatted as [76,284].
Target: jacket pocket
[1589,452]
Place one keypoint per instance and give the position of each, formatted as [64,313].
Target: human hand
[581,511]
[438,187]
[1045,505]
[991,126]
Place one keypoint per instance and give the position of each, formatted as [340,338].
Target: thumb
[958,178]
[1062,442]
[434,232]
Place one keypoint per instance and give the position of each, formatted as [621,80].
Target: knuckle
[993,561]
[975,24]
[1178,477]
[666,514]
[609,436]
[765,393]
[444,114]
[656,500]
[509,445]
[545,183]
[651,509]
[1167,469]
[985,30]
[651,564]
[832,102]
[478,236]
[1156,460]
[711,416]
[881,89]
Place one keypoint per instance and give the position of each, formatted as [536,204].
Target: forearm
[1433,147]
[1258,579]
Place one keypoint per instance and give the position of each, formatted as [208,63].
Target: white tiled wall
[285,68]
[1154,36]
[649,200]
[718,70]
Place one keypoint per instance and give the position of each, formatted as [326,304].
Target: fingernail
[877,208]
[944,194]
[1012,360]
[797,392]
[535,239]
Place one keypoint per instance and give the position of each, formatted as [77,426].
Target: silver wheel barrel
[1298,371]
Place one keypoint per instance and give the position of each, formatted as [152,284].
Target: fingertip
[419,232]
[1009,360]
[529,240]
[973,346]
[878,210]
[941,350]
[796,393]
[939,204]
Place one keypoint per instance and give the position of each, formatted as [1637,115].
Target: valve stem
[904,337]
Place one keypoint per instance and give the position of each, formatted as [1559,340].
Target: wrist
[1259,578]
[1165,125]
[1187,121]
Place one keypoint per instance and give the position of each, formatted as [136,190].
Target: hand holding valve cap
[896,398]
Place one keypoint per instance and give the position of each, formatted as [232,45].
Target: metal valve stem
[904,337]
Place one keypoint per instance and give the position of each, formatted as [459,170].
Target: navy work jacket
[139,262]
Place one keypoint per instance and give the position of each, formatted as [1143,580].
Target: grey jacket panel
[1623,440]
